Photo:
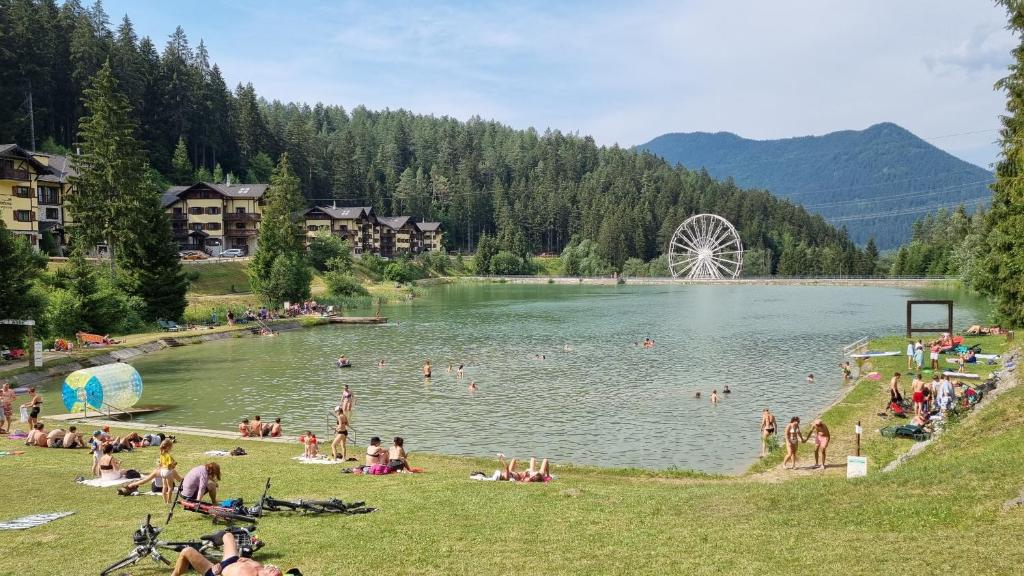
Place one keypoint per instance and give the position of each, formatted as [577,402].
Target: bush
[62,316]
[398,271]
[343,285]
[326,247]
[635,267]
[289,280]
[507,263]
[373,264]
[583,259]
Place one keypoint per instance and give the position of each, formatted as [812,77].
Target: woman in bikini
[347,401]
[109,467]
[531,474]
[793,439]
[821,439]
[397,458]
[767,429]
[33,406]
[426,370]
[340,434]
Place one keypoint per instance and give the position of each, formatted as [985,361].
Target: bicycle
[148,544]
[268,503]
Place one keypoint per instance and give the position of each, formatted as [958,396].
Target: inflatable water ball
[118,385]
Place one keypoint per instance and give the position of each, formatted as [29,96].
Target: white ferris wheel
[705,247]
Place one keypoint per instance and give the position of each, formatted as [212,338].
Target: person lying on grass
[231,565]
[531,474]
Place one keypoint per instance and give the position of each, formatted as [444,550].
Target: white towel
[317,460]
[217,453]
[32,521]
[104,483]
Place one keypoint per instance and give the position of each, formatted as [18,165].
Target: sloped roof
[60,168]
[255,191]
[19,152]
[428,226]
[393,222]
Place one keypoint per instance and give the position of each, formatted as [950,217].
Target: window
[177,211]
[195,210]
[24,215]
[196,226]
[312,228]
[213,210]
[239,225]
[240,210]
[48,195]
[177,225]
[213,226]
[22,191]
[52,214]
[344,227]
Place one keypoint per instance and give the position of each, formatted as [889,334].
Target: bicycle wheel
[123,563]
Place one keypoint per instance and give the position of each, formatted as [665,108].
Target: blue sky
[623,72]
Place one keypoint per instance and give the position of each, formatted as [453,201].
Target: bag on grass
[24,414]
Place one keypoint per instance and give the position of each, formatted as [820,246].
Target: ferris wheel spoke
[722,268]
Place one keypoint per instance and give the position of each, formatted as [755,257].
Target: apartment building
[386,236]
[215,217]
[33,187]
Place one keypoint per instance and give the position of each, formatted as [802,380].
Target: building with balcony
[215,217]
[386,236]
[33,187]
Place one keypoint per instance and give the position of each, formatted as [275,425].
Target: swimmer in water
[697,395]
[567,348]
[472,387]
[458,373]
[380,364]
[426,369]
[810,378]
[726,391]
[714,396]
[449,368]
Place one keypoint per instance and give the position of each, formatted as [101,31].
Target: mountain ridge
[876,181]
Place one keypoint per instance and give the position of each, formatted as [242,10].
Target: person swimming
[343,362]
[472,387]
[714,396]
[697,395]
[810,378]
[726,390]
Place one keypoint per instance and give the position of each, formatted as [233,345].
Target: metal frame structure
[705,247]
[910,316]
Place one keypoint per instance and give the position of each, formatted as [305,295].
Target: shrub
[62,316]
[326,247]
[343,285]
[398,271]
[507,263]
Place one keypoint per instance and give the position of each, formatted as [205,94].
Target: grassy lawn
[939,513]
[218,278]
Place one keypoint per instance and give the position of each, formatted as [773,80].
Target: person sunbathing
[309,445]
[73,438]
[531,474]
[243,428]
[375,455]
[55,439]
[37,437]
[231,565]
[109,467]
[275,428]
[397,458]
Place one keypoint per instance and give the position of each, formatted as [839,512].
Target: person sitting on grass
[108,466]
[309,444]
[243,428]
[37,437]
[232,564]
[397,458]
[531,474]
[55,439]
[256,427]
[200,481]
[375,455]
[275,428]
[73,438]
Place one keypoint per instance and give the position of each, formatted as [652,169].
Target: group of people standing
[794,437]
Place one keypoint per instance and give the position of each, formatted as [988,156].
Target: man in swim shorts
[821,436]
[231,565]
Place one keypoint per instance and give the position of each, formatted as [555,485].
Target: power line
[918,194]
[906,211]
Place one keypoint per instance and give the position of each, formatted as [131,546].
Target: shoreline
[666,281]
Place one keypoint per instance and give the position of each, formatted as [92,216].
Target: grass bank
[588,521]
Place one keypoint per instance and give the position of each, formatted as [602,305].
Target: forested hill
[876,182]
[535,192]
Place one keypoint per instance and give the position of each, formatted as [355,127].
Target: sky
[623,72]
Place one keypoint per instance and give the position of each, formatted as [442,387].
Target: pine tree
[870,262]
[218,174]
[112,169]
[152,269]
[1002,255]
[280,236]
[19,266]
[181,167]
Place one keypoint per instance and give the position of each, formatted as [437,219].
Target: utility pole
[31,116]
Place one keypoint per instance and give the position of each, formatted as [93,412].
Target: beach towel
[15,453]
[317,460]
[32,520]
[104,483]
[217,453]
[19,435]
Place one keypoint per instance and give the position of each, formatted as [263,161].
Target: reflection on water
[607,402]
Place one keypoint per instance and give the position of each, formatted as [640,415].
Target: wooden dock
[357,319]
[92,414]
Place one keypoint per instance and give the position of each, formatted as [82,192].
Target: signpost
[856,465]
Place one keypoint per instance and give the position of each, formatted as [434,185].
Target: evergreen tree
[181,168]
[280,240]
[152,268]
[112,171]
[260,169]
[218,174]
[1002,254]
[870,262]
[19,267]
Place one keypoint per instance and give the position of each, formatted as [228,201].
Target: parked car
[192,255]
[232,253]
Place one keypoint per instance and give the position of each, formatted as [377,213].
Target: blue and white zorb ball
[118,385]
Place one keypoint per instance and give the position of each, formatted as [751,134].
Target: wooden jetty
[357,319]
[112,415]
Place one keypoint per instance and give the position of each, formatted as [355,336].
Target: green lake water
[606,402]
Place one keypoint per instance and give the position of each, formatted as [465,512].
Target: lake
[606,402]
